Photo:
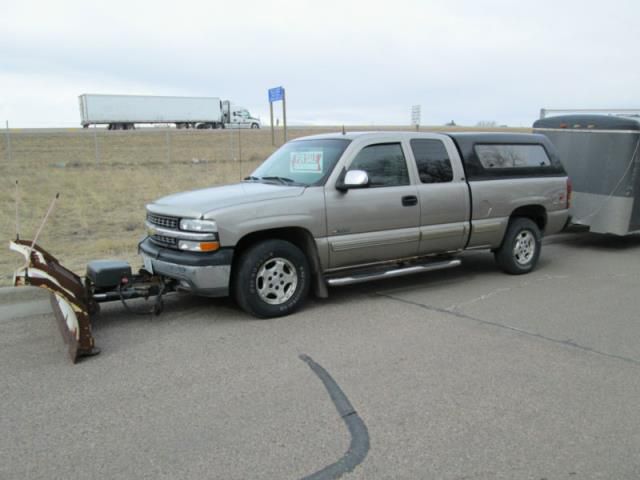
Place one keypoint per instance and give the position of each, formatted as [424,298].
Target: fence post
[168,145]
[240,151]
[9,152]
[95,143]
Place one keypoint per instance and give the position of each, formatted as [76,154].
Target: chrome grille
[171,223]
[165,241]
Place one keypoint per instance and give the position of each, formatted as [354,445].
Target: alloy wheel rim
[276,281]
[524,247]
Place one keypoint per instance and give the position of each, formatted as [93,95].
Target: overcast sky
[352,62]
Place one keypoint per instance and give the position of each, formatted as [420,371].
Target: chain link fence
[149,146]
[106,178]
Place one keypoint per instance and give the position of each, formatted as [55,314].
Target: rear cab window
[432,160]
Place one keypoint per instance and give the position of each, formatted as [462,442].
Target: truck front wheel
[520,248]
[272,279]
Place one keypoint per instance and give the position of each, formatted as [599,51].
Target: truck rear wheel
[520,248]
[272,279]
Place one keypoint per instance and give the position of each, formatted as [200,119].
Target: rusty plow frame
[69,297]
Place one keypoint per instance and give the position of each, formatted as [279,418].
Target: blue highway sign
[276,94]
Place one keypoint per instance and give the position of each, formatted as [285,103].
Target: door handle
[409,200]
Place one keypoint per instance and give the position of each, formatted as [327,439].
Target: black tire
[520,248]
[255,125]
[259,264]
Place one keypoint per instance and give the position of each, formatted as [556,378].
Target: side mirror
[353,179]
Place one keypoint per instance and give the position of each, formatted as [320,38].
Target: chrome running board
[396,272]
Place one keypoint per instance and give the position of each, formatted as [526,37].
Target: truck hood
[197,203]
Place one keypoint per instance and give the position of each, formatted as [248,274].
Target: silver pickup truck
[337,209]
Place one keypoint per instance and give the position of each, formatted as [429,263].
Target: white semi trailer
[123,112]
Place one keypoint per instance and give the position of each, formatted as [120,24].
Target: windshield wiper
[272,178]
[283,180]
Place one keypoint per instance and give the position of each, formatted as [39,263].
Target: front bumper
[205,274]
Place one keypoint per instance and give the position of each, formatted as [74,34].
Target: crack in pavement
[522,284]
[359,446]
[566,343]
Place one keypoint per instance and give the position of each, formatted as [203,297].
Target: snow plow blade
[70,299]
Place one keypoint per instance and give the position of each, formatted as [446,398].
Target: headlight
[191,246]
[198,225]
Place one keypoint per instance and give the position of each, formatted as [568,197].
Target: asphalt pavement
[467,373]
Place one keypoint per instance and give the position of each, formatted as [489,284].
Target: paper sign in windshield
[308,162]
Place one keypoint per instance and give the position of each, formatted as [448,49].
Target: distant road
[320,128]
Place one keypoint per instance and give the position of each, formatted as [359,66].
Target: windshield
[302,162]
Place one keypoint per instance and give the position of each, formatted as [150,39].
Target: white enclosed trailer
[123,112]
[601,154]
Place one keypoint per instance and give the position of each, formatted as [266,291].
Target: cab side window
[384,163]
[432,160]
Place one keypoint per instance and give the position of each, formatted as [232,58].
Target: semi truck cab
[236,116]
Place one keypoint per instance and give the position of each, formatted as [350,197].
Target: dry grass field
[105,179]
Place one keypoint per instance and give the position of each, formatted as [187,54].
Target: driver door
[377,223]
